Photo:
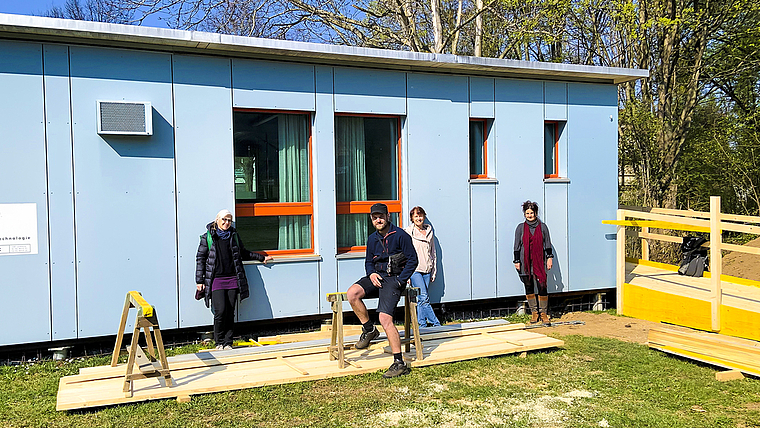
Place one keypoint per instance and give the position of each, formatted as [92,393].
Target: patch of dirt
[603,325]
[545,411]
[743,265]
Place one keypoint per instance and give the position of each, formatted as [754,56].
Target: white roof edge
[118,35]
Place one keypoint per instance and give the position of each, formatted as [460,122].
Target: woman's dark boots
[543,306]
[533,308]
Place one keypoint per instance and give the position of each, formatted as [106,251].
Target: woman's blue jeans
[424,310]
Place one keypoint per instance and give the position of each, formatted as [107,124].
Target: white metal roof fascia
[117,35]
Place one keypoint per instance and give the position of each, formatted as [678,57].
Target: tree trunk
[479,28]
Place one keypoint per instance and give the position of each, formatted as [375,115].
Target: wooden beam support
[620,263]
[716,262]
[729,375]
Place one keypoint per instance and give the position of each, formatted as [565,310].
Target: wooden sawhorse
[411,327]
[150,365]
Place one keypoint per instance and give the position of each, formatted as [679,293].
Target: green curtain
[351,178]
[293,137]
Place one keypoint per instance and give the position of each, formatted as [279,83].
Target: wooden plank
[717,349]
[243,355]
[620,264]
[716,262]
[272,371]
[683,213]
[729,375]
[743,228]
[512,342]
[667,218]
[707,274]
[282,359]
[657,225]
[143,308]
[644,243]
[707,343]
[705,359]
[740,248]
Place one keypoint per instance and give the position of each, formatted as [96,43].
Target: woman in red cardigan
[533,257]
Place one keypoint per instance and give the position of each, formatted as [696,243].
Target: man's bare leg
[391,332]
[355,295]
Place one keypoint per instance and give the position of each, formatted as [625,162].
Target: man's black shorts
[389,294]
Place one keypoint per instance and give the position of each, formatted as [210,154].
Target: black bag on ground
[694,261]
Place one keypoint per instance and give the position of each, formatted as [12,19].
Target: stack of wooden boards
[249,367]
[712,348]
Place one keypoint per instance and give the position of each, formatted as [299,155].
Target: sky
[28,7]
[39,7]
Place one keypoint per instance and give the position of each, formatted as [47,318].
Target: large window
[273,181]
[478,146]
[366,171]
[551,149]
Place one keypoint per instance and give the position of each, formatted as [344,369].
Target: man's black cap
[379,208]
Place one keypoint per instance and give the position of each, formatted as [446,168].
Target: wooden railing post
[644,244]
[716,262]
[620,262]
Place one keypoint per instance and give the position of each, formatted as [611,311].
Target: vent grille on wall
[125,118]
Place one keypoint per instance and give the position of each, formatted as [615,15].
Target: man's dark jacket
[205,260]
[379,248]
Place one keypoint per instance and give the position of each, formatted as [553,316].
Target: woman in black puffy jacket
[219,273]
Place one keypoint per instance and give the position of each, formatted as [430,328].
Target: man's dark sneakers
[398,368]
[366,338]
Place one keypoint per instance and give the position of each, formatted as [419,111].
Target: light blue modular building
[118,144]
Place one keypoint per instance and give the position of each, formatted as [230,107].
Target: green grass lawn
[591,382]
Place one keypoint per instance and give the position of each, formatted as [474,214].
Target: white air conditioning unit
[125,118]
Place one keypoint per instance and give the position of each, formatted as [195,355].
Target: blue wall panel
[272,85]
[280,290]
[438,170]
[323,162]
[481,97]
[125,202]
[25,282]
[61,185]
[370,91]
[554,213]
[555,99]
[203,146]
[483,244]
[519,139]
[592,194]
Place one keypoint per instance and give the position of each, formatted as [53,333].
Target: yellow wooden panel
[657,306]
[740,323]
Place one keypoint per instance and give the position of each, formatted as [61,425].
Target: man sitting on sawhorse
[390,261]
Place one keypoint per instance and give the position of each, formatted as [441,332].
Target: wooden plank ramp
[216,371]
[712,348]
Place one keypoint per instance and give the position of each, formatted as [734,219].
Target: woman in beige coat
[424,244]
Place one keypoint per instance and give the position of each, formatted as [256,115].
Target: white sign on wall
[18,229]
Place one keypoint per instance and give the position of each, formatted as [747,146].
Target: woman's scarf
[223,234]
[533,250]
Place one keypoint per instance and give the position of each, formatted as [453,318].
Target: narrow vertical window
[478,145]
[367,150]
[273,201]
[551,150]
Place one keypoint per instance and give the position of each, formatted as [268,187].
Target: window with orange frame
[273,183]
[478,148]
[367,159]
[551,149]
